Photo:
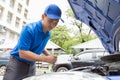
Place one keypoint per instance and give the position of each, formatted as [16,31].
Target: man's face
[49,23]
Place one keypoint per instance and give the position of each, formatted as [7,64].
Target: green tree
[60,35]
[79,25]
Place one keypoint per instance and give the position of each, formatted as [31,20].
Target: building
[89,45]
[13,15]
[54,49]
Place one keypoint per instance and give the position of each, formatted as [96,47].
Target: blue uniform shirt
[32,38]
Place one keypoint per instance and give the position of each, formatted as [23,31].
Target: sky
[37,7]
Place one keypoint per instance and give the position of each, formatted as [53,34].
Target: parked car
[103,17]
[4,58]
[82,59]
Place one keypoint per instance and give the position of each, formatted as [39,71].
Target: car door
[83,59]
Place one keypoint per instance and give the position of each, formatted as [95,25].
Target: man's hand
[50,59]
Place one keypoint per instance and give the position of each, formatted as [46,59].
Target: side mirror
[76,58]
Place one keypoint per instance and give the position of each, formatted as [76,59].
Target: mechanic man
[33,39]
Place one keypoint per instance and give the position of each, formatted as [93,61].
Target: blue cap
[53,11]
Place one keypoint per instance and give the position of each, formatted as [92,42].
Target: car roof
[103,17]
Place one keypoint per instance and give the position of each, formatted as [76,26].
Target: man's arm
[46,52]
[28,55]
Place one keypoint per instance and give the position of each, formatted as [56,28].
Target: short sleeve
[25,40]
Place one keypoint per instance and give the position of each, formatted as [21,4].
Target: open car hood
[103,17]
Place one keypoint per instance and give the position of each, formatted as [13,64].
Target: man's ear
[43,16]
